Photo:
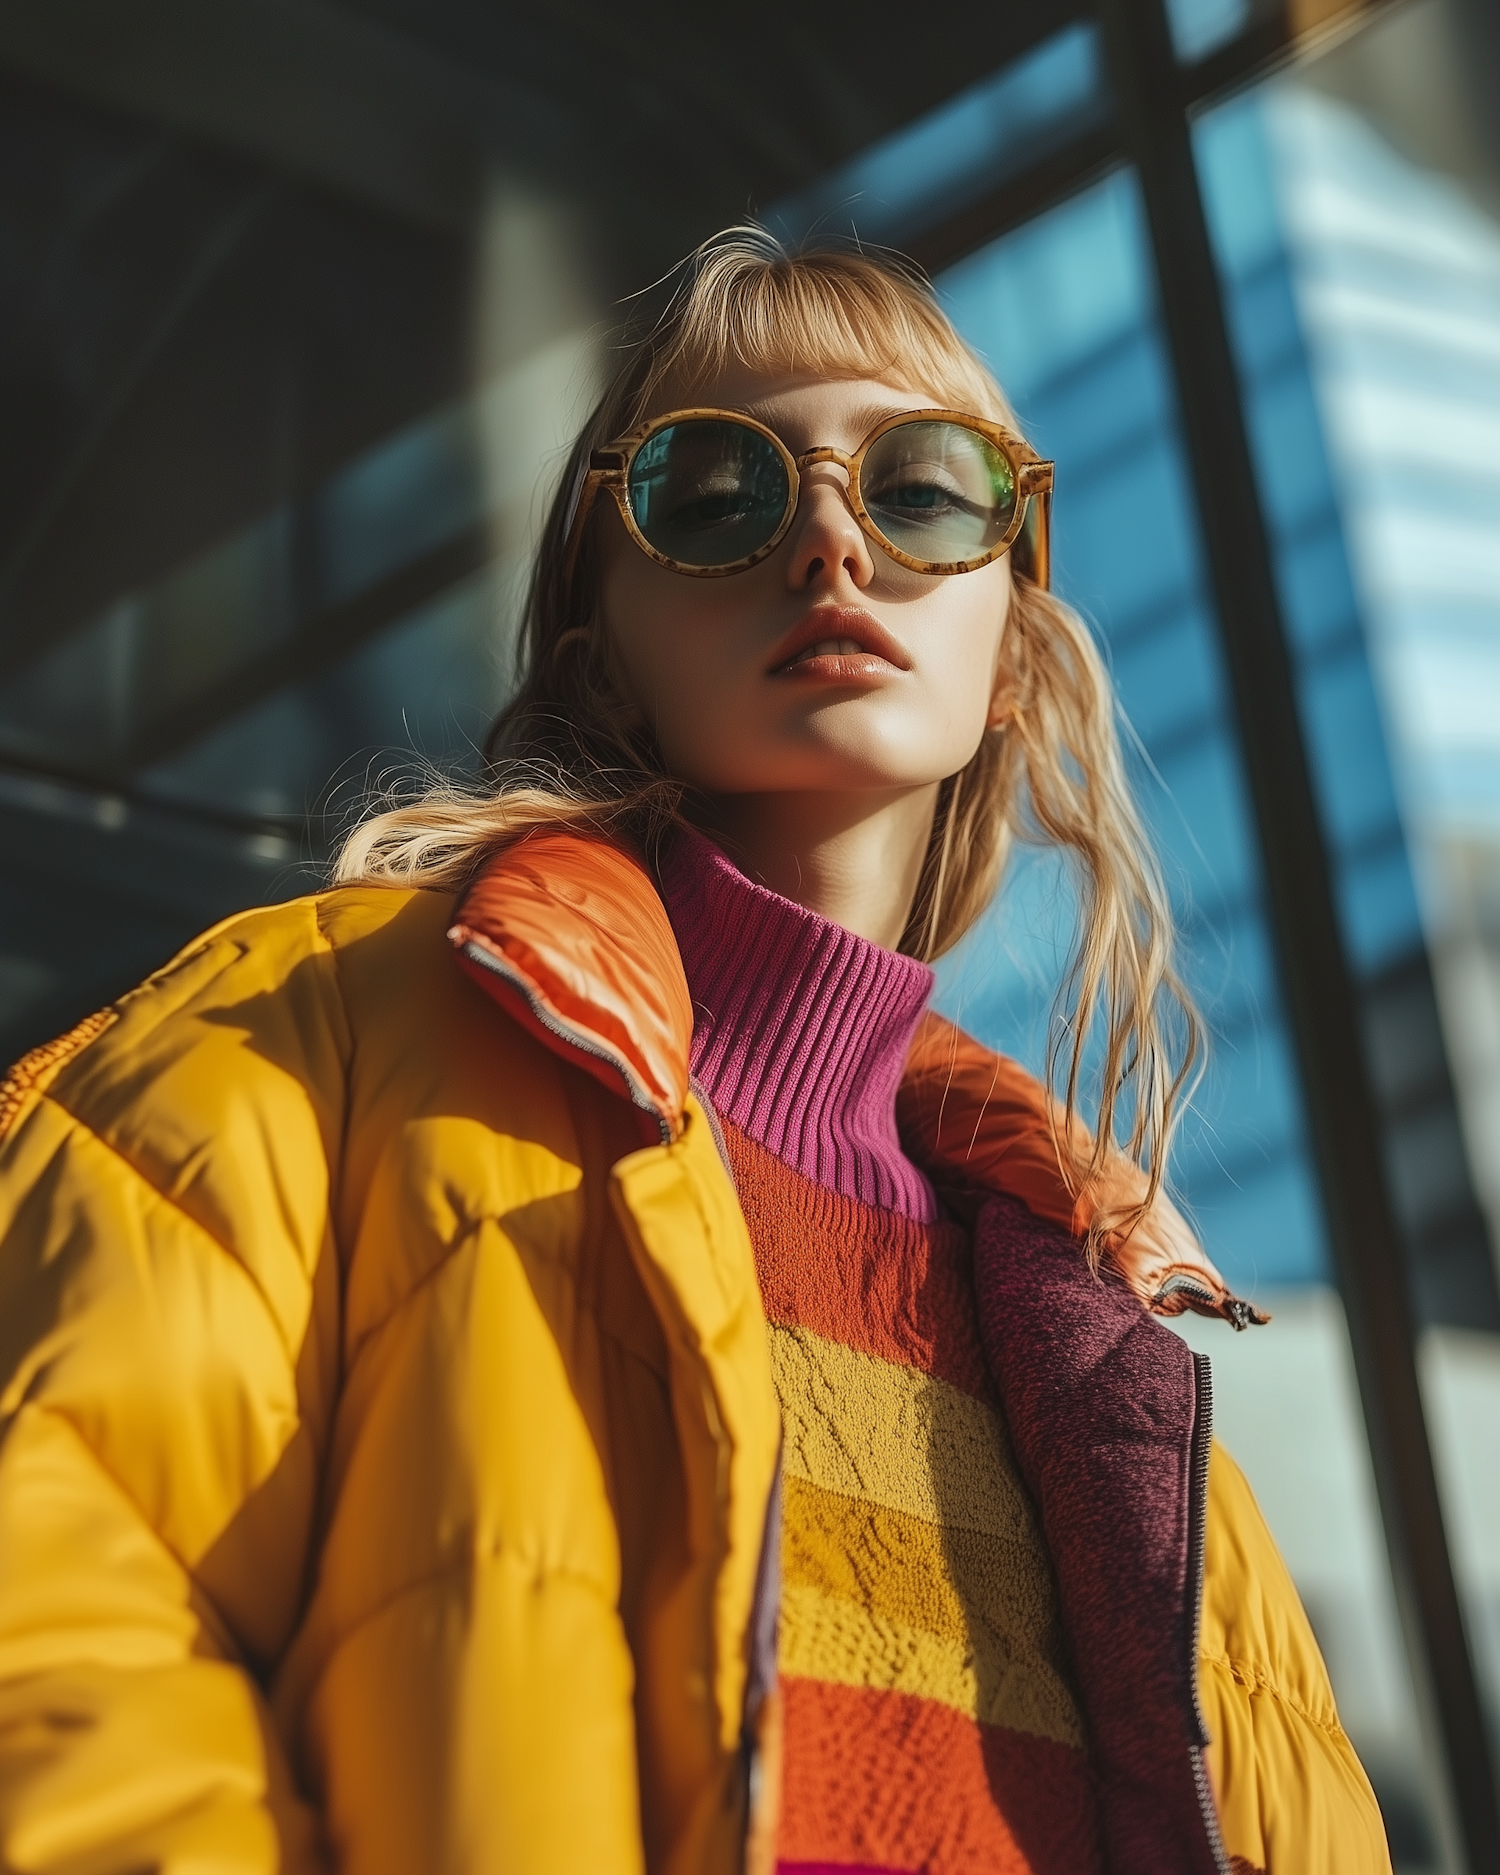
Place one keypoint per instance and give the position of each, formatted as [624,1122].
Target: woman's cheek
[962,682]
[705,724]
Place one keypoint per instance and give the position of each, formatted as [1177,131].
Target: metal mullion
[1321,995]
[113,803]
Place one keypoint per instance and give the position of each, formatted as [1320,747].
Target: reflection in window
[1064,310]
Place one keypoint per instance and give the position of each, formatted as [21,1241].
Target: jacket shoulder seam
[1254,1679]
[195,1224]
[321,904]
[39,1066]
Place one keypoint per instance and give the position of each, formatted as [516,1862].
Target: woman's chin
[836,770]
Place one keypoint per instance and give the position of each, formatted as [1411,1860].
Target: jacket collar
[977,1123]
[570,936]
[568,933]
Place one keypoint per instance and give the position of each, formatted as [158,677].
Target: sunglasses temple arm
[583,507]
[1039,532]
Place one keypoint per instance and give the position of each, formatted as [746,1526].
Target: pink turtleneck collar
[800,1029]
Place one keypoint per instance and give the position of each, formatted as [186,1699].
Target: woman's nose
[825,537]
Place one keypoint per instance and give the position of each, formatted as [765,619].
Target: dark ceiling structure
[590,100]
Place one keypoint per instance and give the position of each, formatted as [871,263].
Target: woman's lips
[839,643]
[839,659]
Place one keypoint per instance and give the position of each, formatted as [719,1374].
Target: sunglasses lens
[938,491]
[706,493]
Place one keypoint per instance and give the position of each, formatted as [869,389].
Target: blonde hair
[564,752]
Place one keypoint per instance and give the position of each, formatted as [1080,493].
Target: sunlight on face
[827,667]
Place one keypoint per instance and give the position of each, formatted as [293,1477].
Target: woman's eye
[919,494]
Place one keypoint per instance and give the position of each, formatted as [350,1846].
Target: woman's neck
[854,859]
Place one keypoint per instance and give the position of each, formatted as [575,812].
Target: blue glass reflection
[972,143]
[1346,732]
[1201,26]
[1063,309]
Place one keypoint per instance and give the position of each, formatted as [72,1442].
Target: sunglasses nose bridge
[823,454]
[813,457]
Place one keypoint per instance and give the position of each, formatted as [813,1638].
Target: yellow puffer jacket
[387,1429]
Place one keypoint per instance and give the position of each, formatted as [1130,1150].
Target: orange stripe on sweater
[892,1781]
[873,1280]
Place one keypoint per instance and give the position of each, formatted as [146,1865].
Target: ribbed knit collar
[801,1029]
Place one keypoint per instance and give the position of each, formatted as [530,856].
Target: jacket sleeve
[168,1338]
[1292,1796]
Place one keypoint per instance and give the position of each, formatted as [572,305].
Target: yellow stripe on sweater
[879,1599]
[866,1428]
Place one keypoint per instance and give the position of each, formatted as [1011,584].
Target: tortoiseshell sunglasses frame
[609,470]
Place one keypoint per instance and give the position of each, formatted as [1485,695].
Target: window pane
[274,458]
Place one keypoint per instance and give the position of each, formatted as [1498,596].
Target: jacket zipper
[585,1045]
[711,1114]
[1203,1432]
[759,1682]
[1240,1315]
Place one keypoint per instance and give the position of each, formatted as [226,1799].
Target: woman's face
[826,667]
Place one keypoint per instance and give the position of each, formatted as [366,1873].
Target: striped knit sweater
[930,1722]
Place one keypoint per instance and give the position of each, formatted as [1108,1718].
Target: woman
[467,1330]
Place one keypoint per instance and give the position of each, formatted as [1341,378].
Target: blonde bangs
[839,314]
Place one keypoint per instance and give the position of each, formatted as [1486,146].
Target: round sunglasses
[712,492]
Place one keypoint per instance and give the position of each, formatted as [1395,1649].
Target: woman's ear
[625,711]
[601,676]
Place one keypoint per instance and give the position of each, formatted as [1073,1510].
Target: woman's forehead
[796,402]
